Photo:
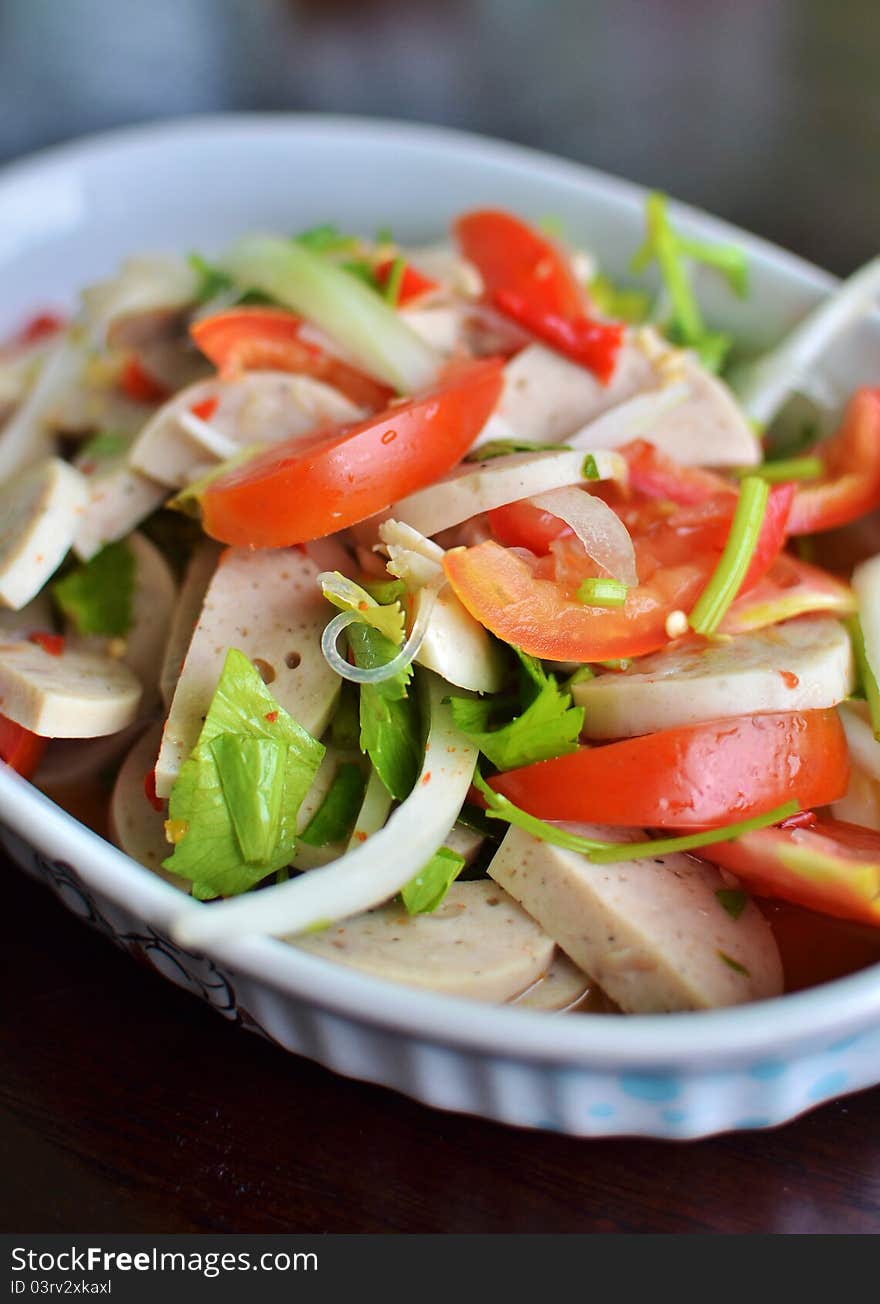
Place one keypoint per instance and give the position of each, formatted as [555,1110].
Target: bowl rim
[702,1040]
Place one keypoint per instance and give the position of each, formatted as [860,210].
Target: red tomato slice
[540,616]
[592,344]
[413,284]
[656,475]
[530,281]
[269,339]
[510,255]
[19,747]
[830,866]
[703,775]
[40,327]
[850,487]
[137,383]
[790,588]
[326,481]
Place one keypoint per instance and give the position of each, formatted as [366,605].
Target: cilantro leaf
[334,819]
[504,447]
[349,596]
[237,795]
[390,729]
[97,596]
[673,254]
[426,889]
[620,302]
[733,901]
[548,725]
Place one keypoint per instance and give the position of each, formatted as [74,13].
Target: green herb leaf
[734,964]
[864,674]
[732,901]
[672,252]
[335,818]
[602,592]
[103,447]
[251,772]
[392,286]
[390,729]
[745,529]
[97,596]
[590,469]
[344,726]
[499,807]
[212,280]
[236,802]
[425,890]
[349,596]
[504,447]
[326,239]
[620,302]
[548,726]
[792,468]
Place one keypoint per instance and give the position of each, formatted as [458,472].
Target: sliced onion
[210,438]
[366,875]
[377,674]
[603,534]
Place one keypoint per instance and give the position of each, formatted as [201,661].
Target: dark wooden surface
[126,1105]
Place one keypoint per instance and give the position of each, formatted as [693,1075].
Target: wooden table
[126,1105]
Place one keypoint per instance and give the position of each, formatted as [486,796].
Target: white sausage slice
[266,603]
[479,487]
[40,510]
[199,572]
[261,407]
[563,986]
[153,604]
[478,943]
[548,398]
[75,695]
[652,933]
[801,665]
[135,825]
[119,498]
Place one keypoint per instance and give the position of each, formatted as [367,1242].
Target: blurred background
[766,112]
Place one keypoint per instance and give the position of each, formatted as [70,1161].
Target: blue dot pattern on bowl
[649,1086]
[828,1085]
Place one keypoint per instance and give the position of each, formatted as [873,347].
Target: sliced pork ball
[653,933]
[800,665]
[268,605]
[478,943]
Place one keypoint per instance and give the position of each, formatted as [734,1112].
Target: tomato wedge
[790,588]
[413,283]
[829,866]
[19,747]
[328,480]
[704,775]
[510,255]
[502,591]
[850,487]
[530,281]
[138,384]
[656,475]
[270,339]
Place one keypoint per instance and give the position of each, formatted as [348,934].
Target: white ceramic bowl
[66,218]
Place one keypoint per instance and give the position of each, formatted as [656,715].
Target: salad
[457,613]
